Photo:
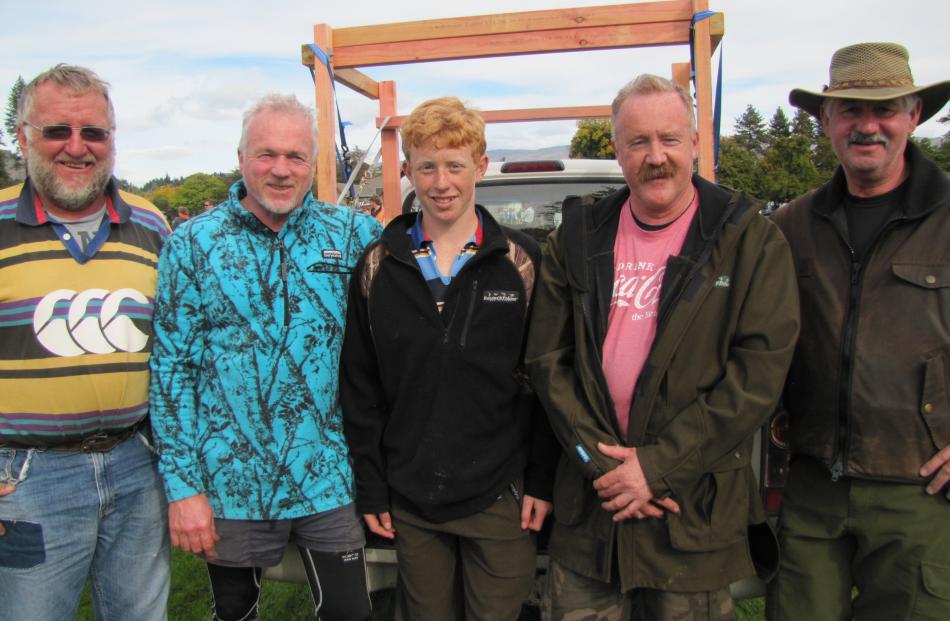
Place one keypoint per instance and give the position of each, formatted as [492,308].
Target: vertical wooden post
[702,52]
[326,117]
[389,143]
[679,73]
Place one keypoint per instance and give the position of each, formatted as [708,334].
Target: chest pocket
[330,267]
[928,276]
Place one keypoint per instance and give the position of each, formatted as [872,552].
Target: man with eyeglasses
[79,491]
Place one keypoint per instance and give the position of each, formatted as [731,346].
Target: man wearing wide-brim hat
[865,525]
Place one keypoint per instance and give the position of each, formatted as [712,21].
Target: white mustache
[859,138]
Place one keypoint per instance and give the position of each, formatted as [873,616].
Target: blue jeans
[74,515]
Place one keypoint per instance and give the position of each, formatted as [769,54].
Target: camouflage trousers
[568,596]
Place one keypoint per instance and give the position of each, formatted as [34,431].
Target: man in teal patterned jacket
[249,317]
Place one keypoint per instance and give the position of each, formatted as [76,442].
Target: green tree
[162,196]
[750,133]
[592,140]
[9,122]
[738,167]
[4,177]
[195,189]
[778,127]
[789,170]
[823,156]
[937,150]
[803,124]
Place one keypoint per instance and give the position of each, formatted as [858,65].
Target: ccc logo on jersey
[95,321]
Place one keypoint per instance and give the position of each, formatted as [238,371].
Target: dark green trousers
[476,568]
[863,550]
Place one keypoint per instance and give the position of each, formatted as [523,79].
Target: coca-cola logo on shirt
[637,285]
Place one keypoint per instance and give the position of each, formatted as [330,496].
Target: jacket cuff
[177,488]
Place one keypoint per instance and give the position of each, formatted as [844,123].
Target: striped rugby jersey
[75,326]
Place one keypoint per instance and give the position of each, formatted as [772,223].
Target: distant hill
[514,155]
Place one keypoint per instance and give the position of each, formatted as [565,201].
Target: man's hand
[6,489]
[533,512]
[380,524]
[626,489]
[191,525]
[939,464]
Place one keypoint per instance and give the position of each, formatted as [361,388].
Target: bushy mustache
[651,172]
[856,137]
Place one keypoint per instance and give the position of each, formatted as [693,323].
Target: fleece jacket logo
[504,297]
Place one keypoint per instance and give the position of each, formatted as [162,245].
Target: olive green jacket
[727,326]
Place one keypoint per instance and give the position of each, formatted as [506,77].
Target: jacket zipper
[849,339]
[847,360]
[284,269]
[468,315]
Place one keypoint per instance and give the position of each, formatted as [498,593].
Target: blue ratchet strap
[343,150]
[717,107]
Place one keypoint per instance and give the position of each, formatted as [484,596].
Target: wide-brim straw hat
[872,72]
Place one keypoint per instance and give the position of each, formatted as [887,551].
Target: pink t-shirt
[640,262]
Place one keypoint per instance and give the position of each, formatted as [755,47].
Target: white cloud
[183,71]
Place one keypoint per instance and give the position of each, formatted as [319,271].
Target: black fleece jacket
[436,408]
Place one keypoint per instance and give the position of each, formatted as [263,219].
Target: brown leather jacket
[869,388]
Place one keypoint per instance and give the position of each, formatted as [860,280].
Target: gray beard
[43,176]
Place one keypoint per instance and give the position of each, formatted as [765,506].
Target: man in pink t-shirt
[665,318]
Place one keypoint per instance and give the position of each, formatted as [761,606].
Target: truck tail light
[775,462]
[533,166]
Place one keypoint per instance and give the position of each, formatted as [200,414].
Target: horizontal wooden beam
[509,23]
[486,46]
[516,115]
[717,28]
[359,82]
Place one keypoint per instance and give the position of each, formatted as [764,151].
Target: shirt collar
[31,213]
[419,238]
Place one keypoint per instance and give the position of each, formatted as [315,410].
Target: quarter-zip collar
[399,244]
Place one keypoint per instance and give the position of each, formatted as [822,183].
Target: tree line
[774,161]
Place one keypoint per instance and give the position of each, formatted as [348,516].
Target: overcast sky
[182,71]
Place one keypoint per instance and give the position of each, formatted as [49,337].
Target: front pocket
[330,267]
[935,398]
[6,465]
[933,593]
[570,492]
[21,545]
[715,514]
[15,465]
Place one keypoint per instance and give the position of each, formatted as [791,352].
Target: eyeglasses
[89,133]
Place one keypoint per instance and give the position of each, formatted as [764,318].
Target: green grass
[189,599]
[751,609]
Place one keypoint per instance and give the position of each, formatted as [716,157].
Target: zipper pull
[514,491]
[837,469]
[283,260]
